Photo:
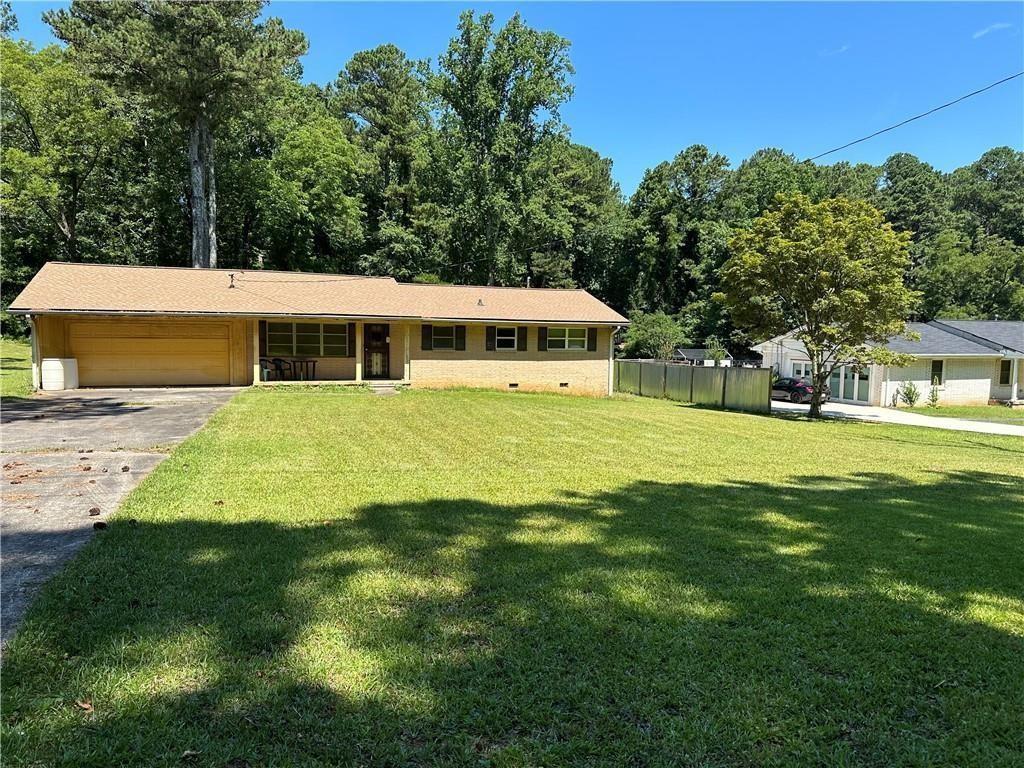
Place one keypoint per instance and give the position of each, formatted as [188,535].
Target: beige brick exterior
[113,350]
[585,372]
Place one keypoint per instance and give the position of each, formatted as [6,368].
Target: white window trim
[1009,373]
[497,338]
[567,348]
[433,338]
[931,376]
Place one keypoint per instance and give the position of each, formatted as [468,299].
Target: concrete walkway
[896,416]
[68,459]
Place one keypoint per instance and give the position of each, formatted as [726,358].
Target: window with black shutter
[505,338]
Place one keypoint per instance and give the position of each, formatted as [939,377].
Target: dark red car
[795,390]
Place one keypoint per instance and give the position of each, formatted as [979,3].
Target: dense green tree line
[181,134]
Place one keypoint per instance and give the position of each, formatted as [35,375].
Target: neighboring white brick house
[975,362]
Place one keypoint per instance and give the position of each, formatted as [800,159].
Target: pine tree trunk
[211,195]
[200,226]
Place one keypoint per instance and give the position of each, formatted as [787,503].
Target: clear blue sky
[654,78]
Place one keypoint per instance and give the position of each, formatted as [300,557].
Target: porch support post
[34,332]
[1014,382]
[359,350]
[255,351]
[406,372]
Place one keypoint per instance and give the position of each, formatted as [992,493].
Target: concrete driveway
[68,460]
[896,416]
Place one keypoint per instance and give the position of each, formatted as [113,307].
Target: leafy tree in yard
[679,239]
[716,350]
[8,21]
[500,94]
[59,127]
[973,278]
[833,271]
[573,222]
[653,334]
[989,193]
[192,60]
[384,93]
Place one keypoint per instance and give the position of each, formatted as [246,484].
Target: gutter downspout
[34,334]
[611,360]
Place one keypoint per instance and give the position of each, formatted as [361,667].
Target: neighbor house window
[505,337]
[802,371]
[444,337]
[307,339]
[1004,372]
[567,338]
[937,372]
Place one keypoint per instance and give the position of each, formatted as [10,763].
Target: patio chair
[283,368]
[266,369]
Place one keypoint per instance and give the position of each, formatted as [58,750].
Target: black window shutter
[542,338]
[521,337]
[491,333]
[427,337]
[263,338]
[591,339]
[351,339]
[460,337]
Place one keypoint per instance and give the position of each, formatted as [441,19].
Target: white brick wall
[967,380]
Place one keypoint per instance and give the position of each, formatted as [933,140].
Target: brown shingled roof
[104,288]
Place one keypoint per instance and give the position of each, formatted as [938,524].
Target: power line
[923,114]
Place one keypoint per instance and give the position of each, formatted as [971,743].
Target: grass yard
[15,368]
[477,578]
[999,413]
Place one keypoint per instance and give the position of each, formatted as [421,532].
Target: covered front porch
[331,351]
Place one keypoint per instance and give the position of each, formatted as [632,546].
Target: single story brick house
[974,362]
[167,326]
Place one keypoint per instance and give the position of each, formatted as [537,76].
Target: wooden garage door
[117,353]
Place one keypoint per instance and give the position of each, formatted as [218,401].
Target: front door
[376,351]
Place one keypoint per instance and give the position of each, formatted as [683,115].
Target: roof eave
[340,316]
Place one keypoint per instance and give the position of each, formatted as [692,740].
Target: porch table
[304,369]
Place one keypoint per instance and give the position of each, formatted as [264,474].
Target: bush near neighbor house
[933,394]
[654,334]
[909,393]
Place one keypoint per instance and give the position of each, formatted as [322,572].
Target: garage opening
[157,353]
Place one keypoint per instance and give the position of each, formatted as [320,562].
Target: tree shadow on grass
[862,620]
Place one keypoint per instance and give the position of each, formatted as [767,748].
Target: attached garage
[158,351]
[146,353]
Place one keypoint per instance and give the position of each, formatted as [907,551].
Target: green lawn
[15,368]
[477,578]
[1000,413]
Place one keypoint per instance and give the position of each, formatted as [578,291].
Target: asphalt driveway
[68,460]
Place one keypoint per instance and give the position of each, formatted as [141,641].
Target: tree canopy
[833,271]
[180,133]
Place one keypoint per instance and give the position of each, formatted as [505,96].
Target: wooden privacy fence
[738,389]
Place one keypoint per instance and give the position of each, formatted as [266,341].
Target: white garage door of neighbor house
[121,353]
